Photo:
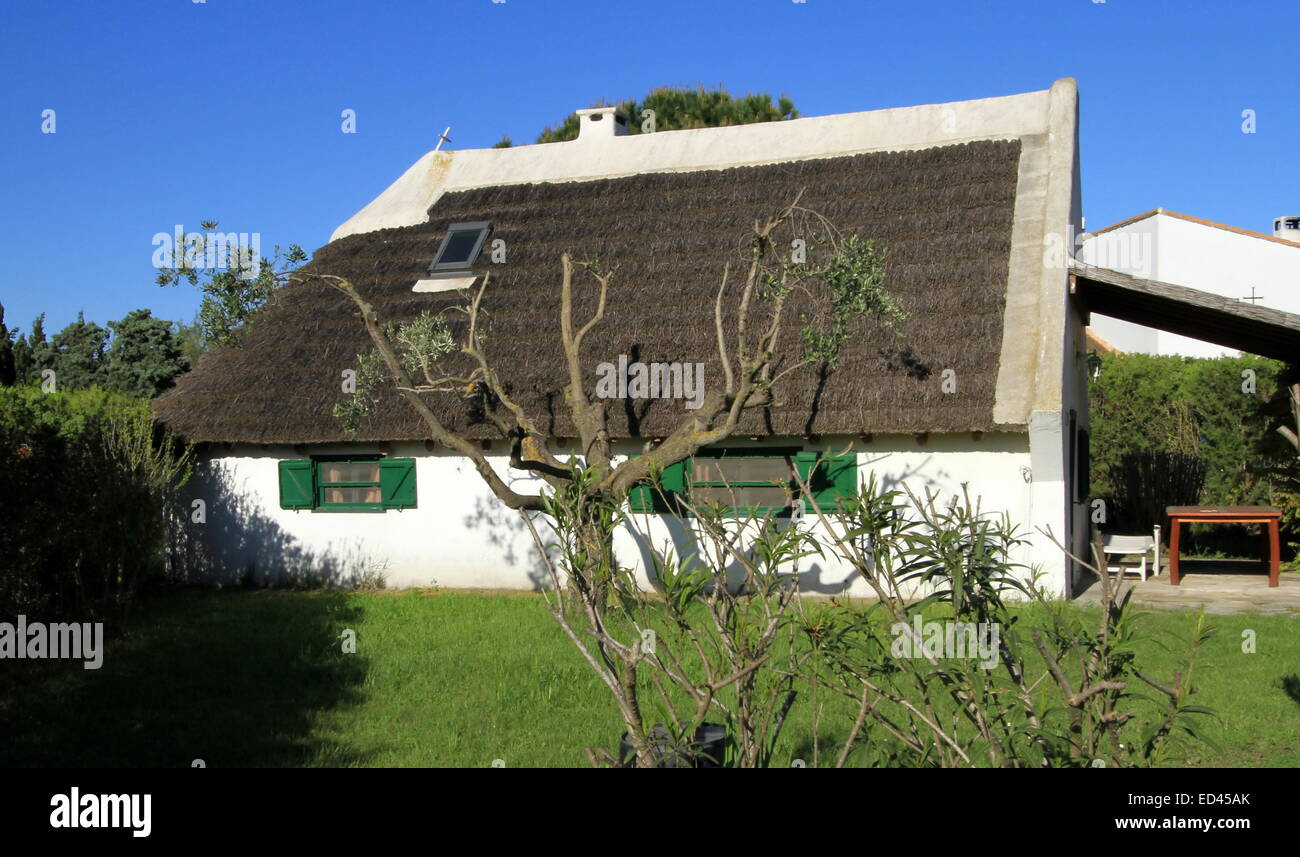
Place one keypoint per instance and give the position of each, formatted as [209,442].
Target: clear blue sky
[171,111]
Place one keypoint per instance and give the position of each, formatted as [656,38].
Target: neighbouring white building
[1257,269]
[963,197]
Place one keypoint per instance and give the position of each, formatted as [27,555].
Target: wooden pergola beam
[1188,312]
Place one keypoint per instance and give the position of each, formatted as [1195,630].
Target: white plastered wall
[459,535]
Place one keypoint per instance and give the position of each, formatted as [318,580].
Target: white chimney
[1287,228]
[601,123]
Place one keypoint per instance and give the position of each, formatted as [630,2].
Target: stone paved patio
[1220,586]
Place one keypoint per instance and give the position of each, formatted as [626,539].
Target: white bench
[1124,545]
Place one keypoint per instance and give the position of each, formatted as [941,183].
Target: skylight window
[460,247]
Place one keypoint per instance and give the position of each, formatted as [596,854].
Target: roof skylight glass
[460,247]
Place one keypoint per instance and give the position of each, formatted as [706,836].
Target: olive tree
[836,280]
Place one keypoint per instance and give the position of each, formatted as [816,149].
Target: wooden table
[1226,515]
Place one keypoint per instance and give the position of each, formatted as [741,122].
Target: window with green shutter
[348,484]
[745,481]
[753,480]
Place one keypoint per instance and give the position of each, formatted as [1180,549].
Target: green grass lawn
[460,679]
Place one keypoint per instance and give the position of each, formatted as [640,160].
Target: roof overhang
[1188,312]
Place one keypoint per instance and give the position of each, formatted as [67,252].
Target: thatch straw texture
[944,216]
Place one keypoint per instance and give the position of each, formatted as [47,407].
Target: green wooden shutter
[640,500]
[676,477]
[839,478]
[297,489]
[397,482]
[644,498]
[829,475]
[805,464]
[805,460]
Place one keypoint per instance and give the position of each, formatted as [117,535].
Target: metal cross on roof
[1253,297]
[443,138]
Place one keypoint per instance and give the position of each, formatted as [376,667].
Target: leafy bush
[727,640]
[1192,406]
[1048,692]
[85,487]
[1151,480]
[1290,506]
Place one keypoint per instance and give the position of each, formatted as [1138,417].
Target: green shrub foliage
[86,484]
[1150,413]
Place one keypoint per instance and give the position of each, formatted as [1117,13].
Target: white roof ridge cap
[712,167]
[406,202]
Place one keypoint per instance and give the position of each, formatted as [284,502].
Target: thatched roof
[944,216]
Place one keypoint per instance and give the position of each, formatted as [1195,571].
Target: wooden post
[1275,552]
[1175,526]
